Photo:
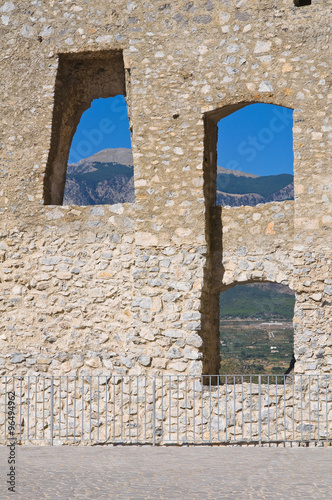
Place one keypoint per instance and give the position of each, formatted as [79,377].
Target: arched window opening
[87,80]
[255,156]
[100,166]
[256,329]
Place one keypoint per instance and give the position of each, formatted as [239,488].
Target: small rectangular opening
[301,3]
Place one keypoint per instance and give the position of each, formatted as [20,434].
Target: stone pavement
[133,472]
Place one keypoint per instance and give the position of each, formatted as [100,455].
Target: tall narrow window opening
[229,181]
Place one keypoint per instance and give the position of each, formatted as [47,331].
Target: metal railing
[170,409]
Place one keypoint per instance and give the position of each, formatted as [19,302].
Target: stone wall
[134,288]
[270,258]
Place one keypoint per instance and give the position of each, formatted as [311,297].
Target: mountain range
[236,188]
[107,177]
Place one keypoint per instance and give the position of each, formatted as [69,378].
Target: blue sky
[104,125]
[256,139]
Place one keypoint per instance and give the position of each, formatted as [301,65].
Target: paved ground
[119,472]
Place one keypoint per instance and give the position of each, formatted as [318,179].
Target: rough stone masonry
[133,288]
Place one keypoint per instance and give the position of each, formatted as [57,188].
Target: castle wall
[133,288]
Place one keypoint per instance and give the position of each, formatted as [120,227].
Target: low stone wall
[165,410]
[257,243]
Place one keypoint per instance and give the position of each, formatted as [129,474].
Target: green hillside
[265,185]
[256,301]
[256,331]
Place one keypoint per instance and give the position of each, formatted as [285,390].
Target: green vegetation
[256,331]
[265,185]
[258,301]
[248,347]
